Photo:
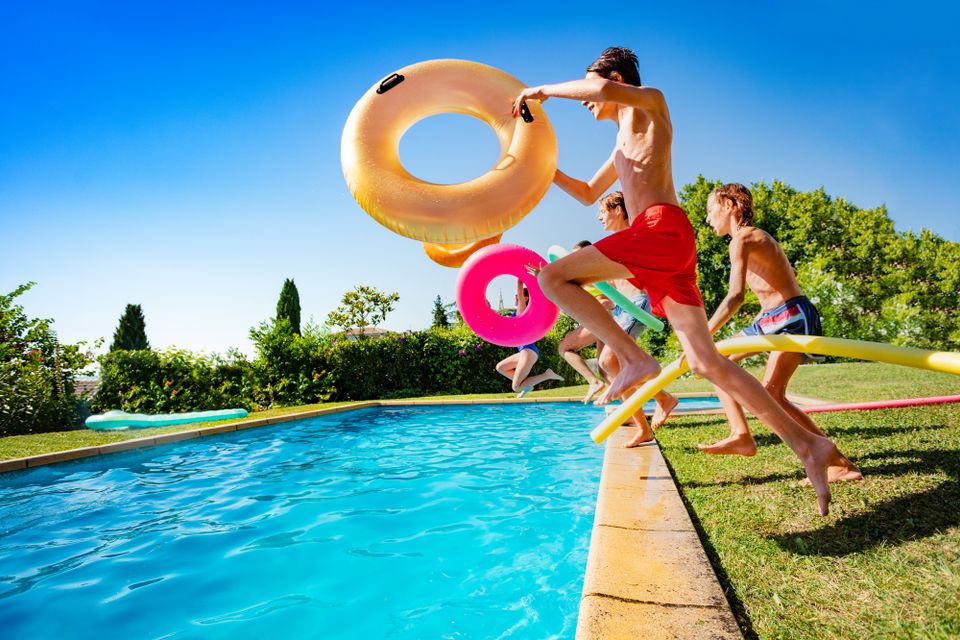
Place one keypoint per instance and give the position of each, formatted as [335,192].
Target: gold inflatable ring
[447,214]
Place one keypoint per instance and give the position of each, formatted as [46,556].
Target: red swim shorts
[660,250]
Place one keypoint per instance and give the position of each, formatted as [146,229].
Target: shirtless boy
[579,338]
[613,216]
[758,262]
[657,253]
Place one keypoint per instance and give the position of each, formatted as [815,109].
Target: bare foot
[592,390]
[644,434]
[662,412]
[628,378]
[840,470]
[552,375]
[523,392]
[740,445]
[816,462]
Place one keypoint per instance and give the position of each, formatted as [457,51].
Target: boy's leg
[568,348]
[739,442]
[532,381]
[780,368]
[562,282]
[666,403]
[508,365]
[525,361]
[610,366]
[815,452]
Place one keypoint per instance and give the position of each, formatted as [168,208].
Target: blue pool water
[689,403]
[411,522]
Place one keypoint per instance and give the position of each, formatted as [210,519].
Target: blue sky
[186,158]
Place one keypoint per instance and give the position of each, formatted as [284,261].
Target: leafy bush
[36,372]
[172,381]
[436,361]
[290,369]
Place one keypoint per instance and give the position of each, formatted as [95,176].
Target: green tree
[289,305]
[362,307]
[440,320]
[869,281]
[36,372]
[131,333]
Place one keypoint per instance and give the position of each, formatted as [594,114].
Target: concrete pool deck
[647,573]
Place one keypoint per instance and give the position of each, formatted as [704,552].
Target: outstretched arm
[594,90]
[737,287]
[587,193]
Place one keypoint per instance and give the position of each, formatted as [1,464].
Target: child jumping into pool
[517,367]
[657,253]
[580,338]
[758,262]
[613,216]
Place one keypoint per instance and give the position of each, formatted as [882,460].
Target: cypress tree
[131,333]
[289,305]
[439,315]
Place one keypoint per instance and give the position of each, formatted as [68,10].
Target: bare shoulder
[649,98]
[754,236]
[749,239]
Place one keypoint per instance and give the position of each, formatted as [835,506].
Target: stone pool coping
[647,573]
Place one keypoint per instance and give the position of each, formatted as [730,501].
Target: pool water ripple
[413,522]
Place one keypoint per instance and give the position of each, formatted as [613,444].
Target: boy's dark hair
[613,201]
[619,59]
[739,197]
[582,244]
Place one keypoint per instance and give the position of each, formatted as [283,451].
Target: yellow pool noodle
[944,361]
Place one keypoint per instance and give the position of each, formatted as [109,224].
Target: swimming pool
[411,522]
[687,403]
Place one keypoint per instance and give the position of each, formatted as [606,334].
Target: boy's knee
[607,360]
[778,391]
[708,367]
[549,279]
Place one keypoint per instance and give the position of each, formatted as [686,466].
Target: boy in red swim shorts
[657,253]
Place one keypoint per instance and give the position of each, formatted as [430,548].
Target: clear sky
[185,156]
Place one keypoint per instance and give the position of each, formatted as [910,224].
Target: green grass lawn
[885,563]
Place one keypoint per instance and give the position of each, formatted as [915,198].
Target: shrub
[172,381]
[36,372]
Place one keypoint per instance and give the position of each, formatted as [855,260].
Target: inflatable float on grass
[944,361]
[124,420]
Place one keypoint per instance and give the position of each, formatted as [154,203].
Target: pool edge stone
[647,574]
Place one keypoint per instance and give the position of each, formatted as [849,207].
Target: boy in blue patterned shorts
[758,262]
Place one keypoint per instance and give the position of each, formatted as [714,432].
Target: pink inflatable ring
[476,274]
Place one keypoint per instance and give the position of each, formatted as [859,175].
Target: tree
[362,307]
[440,320]
[289,305]
[869,281]
[131,333]
[36,372]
